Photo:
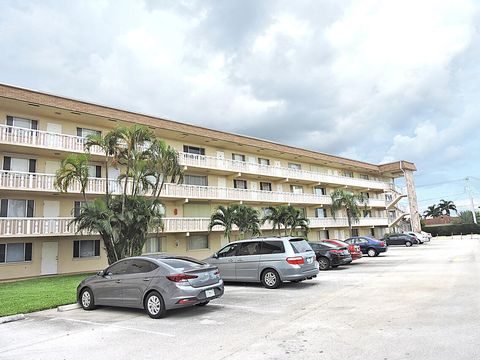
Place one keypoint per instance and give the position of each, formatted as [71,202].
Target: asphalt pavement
[410,303]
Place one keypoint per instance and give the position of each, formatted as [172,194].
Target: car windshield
[300,245]
[182,264]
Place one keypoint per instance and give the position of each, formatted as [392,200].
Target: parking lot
[410,303]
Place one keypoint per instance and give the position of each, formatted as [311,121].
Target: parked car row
[157,283]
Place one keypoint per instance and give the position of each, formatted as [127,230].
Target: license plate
[209,293]
[309,260]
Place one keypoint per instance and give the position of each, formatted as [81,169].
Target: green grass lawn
[25,296]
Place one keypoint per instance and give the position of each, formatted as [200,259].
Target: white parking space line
[257,310]
[114,326]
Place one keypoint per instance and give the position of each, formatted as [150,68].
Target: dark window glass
[272,247]
[249,248]
[300,245]
[355,232]
[193,150]
[2,253]
[229,250]
[28,251]
[240,184]
[137,266]
[118,268]
[265,186]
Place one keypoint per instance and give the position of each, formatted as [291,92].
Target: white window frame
[242,157]
[294,166]
[194,237]
[236,181]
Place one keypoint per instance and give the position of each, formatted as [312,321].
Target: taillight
[296,260]
[382,243]
[181,277]
[217,273]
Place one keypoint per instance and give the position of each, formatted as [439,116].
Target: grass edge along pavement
[25,296]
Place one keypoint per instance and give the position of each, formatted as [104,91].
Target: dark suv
[368,245]
[400,239]
[330,255]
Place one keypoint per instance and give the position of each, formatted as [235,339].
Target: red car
[354,250]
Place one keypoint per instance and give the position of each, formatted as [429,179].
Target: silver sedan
[155,283]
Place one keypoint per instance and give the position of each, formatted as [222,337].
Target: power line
[439,197]
[439,183]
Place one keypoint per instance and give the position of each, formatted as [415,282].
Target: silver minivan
[267,260]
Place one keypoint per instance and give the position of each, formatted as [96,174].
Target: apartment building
[38,130]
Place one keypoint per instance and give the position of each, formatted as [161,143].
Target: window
[240,184]
[83,132]
[77,206]
[347,174]
[262,161]
[238,157]
[266,211]
[296,189]
[323,234]
[227,251]
[355,232]
[363,176]
[265,186]
[372,232]
[15,252]
[95,171]
[16,208]
[272,247]
[197,242]
[118,268]
[388,197]
[300,245]
[367,213]
[22,123]
[365,195]
[249,248]
[153,245]
[193,150]
[195,180]
[317,190]
[19,164]
[137,266]
[320,213]
[86,248]
[295,166]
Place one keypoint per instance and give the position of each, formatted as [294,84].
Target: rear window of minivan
[300,245]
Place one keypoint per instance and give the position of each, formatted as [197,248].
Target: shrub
[453,229]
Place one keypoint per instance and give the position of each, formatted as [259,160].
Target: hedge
[453,229]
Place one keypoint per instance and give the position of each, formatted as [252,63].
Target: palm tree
[445,207]
[73,168]
[247,220]
[277,216]
[432,211]
[295,220]
[224,217]
[342,199]
[110,146]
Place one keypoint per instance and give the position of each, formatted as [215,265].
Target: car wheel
[372,252]
[408,243]
[271,279]
[203,303]
[86,299]
[154,305]
[323,263]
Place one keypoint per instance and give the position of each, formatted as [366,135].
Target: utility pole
[468,189]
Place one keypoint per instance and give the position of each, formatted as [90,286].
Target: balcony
[15,180]
[43,139]
[69,143]
[31,227]
[209,162]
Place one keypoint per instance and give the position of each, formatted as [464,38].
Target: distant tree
[464,217]
[447,206]
[432,211]
[342,199]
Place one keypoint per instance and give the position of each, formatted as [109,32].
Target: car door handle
[118,281]
[230,260]
[240,260]
[146,279]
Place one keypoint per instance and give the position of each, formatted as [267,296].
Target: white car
[421,238]
[427,235]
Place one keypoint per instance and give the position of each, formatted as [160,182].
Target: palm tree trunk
[106,180]
[349,223]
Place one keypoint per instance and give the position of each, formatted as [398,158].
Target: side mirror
[215,255]
[101,273]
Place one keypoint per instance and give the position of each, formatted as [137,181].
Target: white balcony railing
[49,140]
[44,139]
[15,180]
[19,227]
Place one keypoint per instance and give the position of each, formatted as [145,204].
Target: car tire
[203,303]
[323,263]
[408,243]
[271,279]
[86,299]
[154,305]
[372,252]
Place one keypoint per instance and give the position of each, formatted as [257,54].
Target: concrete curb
[11,318]
[68,307]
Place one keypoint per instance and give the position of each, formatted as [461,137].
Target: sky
[376,81]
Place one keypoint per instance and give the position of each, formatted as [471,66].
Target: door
[49,258]
[136,281]
[226,261]
[54,140]
[51,209]
[363,244]
[51,167]
[113,185]
[107,290]
[247,261]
